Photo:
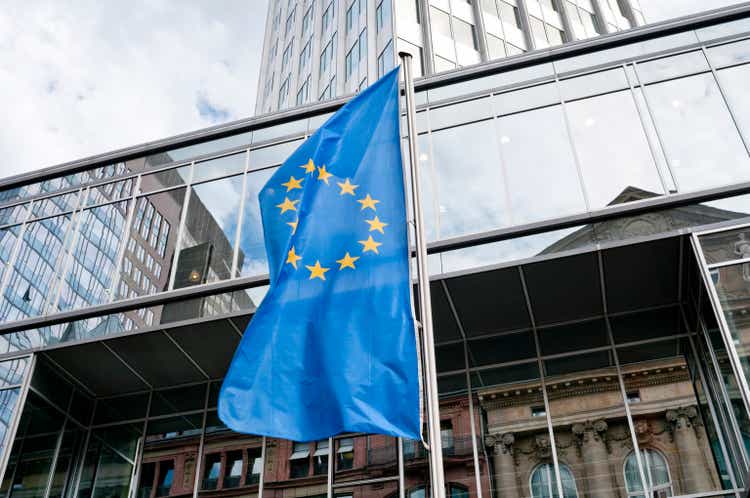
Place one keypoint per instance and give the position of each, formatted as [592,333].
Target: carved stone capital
[502,443]
[542,446]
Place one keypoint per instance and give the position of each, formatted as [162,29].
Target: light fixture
[194,276]
[504,139]
[676,104]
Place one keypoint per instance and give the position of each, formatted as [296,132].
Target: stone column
[506,483]
[593,446]
[684,424]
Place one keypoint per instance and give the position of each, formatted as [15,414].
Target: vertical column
[592,441]
[685,426]
[506,484]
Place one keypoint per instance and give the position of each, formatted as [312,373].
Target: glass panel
[220,166]
[612,177]
[108,464]
[733,82]
[232,460]
[8,239]
[593,84]
[147,259]
[171,449]
[11,371]
[13,214]
[121,408]
[660,393]
[251,259]
[179,399]
[671,67]
[272,155]
[54,205]
[31,277]
[8,400]
[591,443]
[727,245]
[729,54]
[530,168]
[110,192]
[164,179]
[463,112]
[281,130]
[208,237]
[702,143]
[70,447]
[94,257]
[468,203]
[199,149]
[526,98]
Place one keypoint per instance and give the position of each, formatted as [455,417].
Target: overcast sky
[87,76]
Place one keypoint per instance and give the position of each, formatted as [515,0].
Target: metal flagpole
[425,304]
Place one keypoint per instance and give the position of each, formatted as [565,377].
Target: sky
[84,77]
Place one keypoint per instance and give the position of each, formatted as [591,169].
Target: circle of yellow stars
[345,188]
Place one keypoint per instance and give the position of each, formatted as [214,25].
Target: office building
[588,218]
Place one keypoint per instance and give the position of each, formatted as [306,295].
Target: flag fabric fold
[332,347]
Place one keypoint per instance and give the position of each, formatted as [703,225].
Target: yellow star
[293,224]
[287,205]
[347,261]
[368,202]
[317,271]
[370,245]
[323,174]
[293,183]
[292,258]
[309,167]
[347,188]
[376,224]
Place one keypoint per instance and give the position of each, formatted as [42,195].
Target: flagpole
[425,304]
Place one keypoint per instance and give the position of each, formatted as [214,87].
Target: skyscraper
[321,49]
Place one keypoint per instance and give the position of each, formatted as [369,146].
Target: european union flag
[332,347]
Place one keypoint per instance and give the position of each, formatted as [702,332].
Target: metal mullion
[495,365]
[701,233]
[712,411]
[621,382]
[721,388]
[730,262]
[734,358]
[181,228]
[126,364]
[58,445]
[133,201]
[201,444]
[363,482]
[21,442]
[74,380]
[55,406]
[401,476]
[14,253]
[136,474]
[240,216]
[540,366]
[81,463]
[16,418]
[647,103]
[470,393]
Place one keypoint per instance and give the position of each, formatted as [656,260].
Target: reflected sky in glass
[252,260]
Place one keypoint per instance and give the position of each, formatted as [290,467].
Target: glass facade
[587,220]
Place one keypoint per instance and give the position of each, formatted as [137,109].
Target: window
[385,59]
[211,471]
[304,92]
[352,16]
[304,56]
[255,465]
[299,461]
[234,469]
[284,93]
[327,55]
[166,477]
[268,87]
[289,23]
[656,470]
[320,457]
[286,56]
[382,15]
[345,454]
[446,435]
[538,411]
[544,485]
[351,61]
[363,45]
[509,14]
[634,397]
[464,33]
[328,16]
[307,19]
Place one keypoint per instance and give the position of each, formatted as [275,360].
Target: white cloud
[85,77]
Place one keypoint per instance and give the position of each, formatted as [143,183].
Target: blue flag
[332,347]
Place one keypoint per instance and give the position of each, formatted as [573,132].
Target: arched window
[543,483]
[656,471]
[454,491]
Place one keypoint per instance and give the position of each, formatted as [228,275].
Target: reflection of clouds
[222,200]
[701,141]
[612,147]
